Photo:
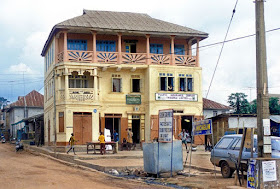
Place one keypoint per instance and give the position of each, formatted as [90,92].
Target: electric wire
[223,44]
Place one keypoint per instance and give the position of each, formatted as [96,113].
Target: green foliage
[274,107]
[239,103]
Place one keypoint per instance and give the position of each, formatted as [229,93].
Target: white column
[95,84]
[66,86]
[120,48]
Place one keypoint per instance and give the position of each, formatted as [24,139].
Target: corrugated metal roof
[125,21]
[209,104]
[32,99]
[275,118]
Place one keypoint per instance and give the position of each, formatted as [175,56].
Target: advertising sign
[269,171]
[251,177]
[133,99]
[203,127]
[165,126]
[176,97]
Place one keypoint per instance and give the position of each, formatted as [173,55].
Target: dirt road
[25,170]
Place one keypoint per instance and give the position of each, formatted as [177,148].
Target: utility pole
[262,82]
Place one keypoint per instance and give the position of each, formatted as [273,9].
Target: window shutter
[131,85]
[120,84]
[192,84]
[141,85]
[112,84]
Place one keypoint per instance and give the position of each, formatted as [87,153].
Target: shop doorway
[113,124]
[82,127]
[136,130]
[186,123]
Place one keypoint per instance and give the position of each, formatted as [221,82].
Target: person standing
[102,143]
[129,138]
[116,139]
[184,137]
[72,143]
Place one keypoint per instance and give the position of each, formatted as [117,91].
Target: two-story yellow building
[116,70]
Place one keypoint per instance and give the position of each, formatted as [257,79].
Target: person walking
[184,137]
[102,143]
[72,143]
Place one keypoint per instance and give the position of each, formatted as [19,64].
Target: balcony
[77,95]
[127,58]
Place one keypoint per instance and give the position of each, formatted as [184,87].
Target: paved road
[25,170]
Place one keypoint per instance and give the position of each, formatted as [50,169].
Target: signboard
[133,99]
[251,179]
[203,127]
[269,171]
[176,97]
[165,131]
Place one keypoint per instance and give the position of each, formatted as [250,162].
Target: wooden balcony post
[95,84]
[197,52]
[187,48]
[119,48]
[94,46]
[56,48]
[148,61]
[190,47]
[65,46]
[172,50]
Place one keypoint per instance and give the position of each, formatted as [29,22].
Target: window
[130,48]
[106,46]
[224,143]
[61,121]
[156,48]
[185,82]
[215,113]
[136,85]
[74,44]
[189,84]
[179,49]
[166,81]
[236,145]
[116,83]
[78,81]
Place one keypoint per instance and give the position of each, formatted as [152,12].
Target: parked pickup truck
[224,152]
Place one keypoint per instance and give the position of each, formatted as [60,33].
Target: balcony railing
[77,94]
[127,58]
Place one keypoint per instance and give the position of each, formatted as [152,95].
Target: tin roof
[32,99]
[124,22]
[212,105]
[275,118]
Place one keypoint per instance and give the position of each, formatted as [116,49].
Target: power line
[233,12]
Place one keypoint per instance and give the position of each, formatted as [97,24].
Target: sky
[25,26]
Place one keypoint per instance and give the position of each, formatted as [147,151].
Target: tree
[274,107]
[2,101]
[239,103]
[254,107]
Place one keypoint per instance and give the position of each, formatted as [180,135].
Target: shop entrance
[82,127]
[186,123]
[113,123]
[136,129]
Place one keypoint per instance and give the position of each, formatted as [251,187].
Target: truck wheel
[226,170]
